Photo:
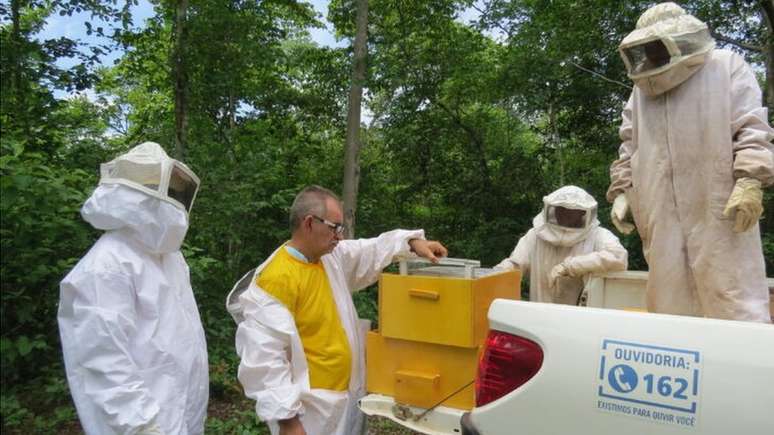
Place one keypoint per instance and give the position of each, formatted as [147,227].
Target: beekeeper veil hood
[146,194]
[149,169]
[568,215]
[667,47]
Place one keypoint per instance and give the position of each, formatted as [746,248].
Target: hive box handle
[424,294]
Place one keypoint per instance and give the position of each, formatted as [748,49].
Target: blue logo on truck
[657,383]
[622,378]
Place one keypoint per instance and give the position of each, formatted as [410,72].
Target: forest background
[468,124]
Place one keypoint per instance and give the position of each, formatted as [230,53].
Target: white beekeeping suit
[273,368]
[559,256]
[696,149]
[133,343]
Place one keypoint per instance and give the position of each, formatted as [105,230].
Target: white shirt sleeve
[621,169]
[519,258]
[752,134]
[608,256]
[264,343]
[362,260]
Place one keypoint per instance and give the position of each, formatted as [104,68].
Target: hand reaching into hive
[429,249]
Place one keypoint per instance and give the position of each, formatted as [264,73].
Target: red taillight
[507,363]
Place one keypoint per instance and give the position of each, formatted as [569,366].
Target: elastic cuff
[413,234]
[749,182]
[570,268]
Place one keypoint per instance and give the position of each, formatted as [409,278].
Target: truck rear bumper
[439,421]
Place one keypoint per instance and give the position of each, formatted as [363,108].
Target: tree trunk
[767,8]
[180,74]
[352,155]
[769,97]
[554,134]
[16,44]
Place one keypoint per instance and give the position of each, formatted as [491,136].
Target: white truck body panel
[730,373]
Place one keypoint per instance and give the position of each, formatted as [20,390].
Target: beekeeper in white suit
[696,152]
[134,348]
[564,247]
[299,338]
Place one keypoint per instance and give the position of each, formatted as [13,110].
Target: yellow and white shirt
[305,291]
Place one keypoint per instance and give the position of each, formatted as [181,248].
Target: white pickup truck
[555,369]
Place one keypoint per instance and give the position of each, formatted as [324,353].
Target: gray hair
[310,200]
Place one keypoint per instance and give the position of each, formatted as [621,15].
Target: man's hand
[429,249]
[557,271]
[618,214]
[291,426]
[747,201]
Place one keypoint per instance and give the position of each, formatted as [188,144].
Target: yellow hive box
[441,309]
[420,374]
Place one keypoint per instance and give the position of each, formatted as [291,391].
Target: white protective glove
[150,429]
[557,271]
[619,212]
[747,200]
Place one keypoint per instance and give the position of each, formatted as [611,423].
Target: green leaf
[24,345]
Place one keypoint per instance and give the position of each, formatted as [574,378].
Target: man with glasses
[299,338]
[565,246]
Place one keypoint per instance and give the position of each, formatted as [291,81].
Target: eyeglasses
[336,228]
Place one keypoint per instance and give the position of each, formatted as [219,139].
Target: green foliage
[241,423]
[366,303]
[767,230]
[42,238]
[384,426]
[43,406]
